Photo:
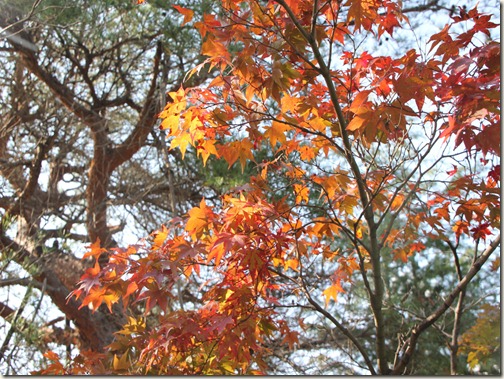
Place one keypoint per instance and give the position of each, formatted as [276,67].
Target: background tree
[81,156]
[315,253]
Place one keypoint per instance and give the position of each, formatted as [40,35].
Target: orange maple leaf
[96,250]
[361,12]
[214,49]
[159,238]
[187,13]
[238,149]
[276,133]
[198,218]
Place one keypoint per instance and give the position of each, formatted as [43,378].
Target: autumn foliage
[372,160]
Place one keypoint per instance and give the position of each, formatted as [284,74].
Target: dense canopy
[331,183]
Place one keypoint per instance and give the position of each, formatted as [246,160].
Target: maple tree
[376,161]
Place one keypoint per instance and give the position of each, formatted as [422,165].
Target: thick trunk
[31,203]
[60,272]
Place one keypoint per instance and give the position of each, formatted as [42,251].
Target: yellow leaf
[160,237]
[171,122]
[302,192]
[332,292]
[227,366]
[277,261]
[206,148]
[397,202]
[181,141]
[121,363]
[292,264]
[348,204]
[472,359]
[197,218]
[357,229]
[109,299]
[178,103]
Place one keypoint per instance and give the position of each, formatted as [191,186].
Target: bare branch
[417,330]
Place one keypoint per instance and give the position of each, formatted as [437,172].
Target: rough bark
[62,271]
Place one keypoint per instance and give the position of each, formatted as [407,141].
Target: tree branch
[417,330]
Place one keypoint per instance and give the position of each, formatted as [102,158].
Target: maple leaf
[209,23]
[306,153]
[443,212]
[90,279]
[401,254]
[358,122]
[489,139]
[291,264]
[289,103]
[276,133]
[291,338]
[359,104]
[416,247]
[221,322]
[319,124]
[133,325]
[94,297]
[481,231]
[170,122]
[132,287]
[452,172]
[159,238]
[214,49]
[187,13]
[154,295]
[397,202]
[207,148]
[494,173]
[182,141]
[121,364]
[460,227]
[470,208]
[95,251]
[217,252]
[332,292]
[237,150]
[302,192]
[198,218]
[55,368]
[361,12]
[387,24]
